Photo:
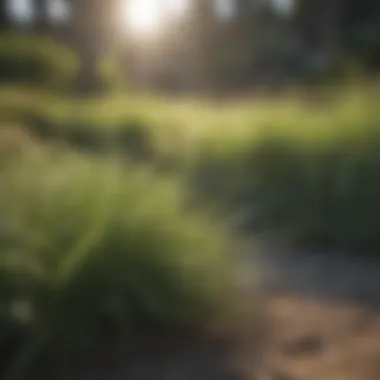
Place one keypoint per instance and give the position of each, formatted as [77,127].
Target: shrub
[135,139]
[36,61]
[310,175]
[96,252]
[88,138]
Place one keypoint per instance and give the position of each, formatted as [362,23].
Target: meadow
[118,214]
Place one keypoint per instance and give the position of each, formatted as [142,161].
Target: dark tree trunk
[203,32]
[319,23]
[93,32]
[330,29]
[5,19]
[88,81]
[42,22]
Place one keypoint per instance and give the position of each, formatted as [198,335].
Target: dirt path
[322,316]
[320,340]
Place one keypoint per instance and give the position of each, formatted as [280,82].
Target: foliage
[36,61]
[98,252]
[303,167]
[310,174]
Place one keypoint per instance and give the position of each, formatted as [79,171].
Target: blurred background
[189,189]
[218,46]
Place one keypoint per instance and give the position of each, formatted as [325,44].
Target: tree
[203,30]
[337,28]
[361,29]
[319,22]
[42,20]
[94,31]
[5,20]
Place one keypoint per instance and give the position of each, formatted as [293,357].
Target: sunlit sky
[23,11]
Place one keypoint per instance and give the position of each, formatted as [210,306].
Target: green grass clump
[40,62]
[140,130]
[94,252]
[307,172]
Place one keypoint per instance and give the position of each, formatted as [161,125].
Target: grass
[301,166]
[97,238]
[307,172]
[94,251]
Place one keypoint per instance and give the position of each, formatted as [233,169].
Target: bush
[309,175]
[36,61]
[136,141]
[96,252]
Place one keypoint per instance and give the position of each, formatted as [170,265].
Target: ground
[318,320]
[322,317]
[321,340]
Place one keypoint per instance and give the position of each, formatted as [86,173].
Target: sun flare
[143,16]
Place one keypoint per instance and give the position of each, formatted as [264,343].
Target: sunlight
[143,16]
[148,17]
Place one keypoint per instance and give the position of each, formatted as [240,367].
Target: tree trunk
[42,22]
[5,20]
[330,30]
[203,31]
[93,32]
[88,81]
